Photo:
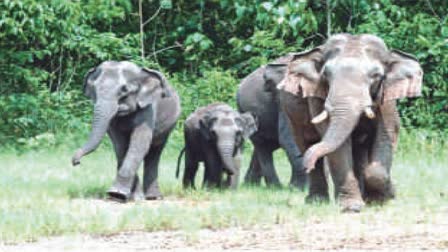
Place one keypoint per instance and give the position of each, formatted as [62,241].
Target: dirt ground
[350,231]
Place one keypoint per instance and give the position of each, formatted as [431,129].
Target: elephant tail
[178,161]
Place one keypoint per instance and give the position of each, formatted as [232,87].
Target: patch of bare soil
[115,206]
[350,232]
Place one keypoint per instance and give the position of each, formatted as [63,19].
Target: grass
[41,194]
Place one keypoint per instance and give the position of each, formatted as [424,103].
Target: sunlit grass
[41,194]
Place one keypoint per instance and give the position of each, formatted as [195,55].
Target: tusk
[369,112]
[320,117]
[281,85]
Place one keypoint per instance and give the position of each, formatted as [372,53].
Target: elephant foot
[352,206]
[117,194]
[317,198]
[154,196]
[299,183]
[252,183]
[375,197]
[274,185]
[153,193]
[137,195]
[121,190]
[252,180]
[378,187]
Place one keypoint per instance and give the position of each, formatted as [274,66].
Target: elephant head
[118,89]
[227,129]
[273,75]
[275,72]
[354,74]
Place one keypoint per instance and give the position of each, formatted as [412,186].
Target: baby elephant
[214,134]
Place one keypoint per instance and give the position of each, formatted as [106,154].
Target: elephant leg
[346,185]
[318,185]
[191,167]
[264,156]
[120,143]
[305,134]
[213,170]
[378,184]
[137,190]
[298,174]
[253,174]
[151,171]
[125,180]
[360,162]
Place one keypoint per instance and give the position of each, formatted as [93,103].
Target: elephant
[138,109]
[257,93]
[214,134]
[340,102]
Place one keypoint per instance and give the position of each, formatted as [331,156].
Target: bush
[26,118]
[212,85]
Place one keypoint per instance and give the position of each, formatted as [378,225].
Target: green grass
[41,194]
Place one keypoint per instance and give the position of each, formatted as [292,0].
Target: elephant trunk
[104,111]
[343,119]
[226,148]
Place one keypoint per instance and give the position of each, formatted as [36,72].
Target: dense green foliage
[205,47]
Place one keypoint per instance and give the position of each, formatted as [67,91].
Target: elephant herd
[337,101]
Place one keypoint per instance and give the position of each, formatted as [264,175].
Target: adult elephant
[258,94]
[138,109]
[215,134]
[340,100]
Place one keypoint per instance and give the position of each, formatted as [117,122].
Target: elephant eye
[239,133]
[376,74]
[239,121]
[124,89]
[326,73]
[239,136]
[212,134]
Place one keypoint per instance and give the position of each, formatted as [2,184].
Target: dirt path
[348,232]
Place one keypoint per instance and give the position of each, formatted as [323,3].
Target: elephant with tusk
[340,101]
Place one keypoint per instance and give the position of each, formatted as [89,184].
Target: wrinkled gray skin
[258,94]
[349,86]
[138,109]
[214,134]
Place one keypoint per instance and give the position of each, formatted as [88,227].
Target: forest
[205,47]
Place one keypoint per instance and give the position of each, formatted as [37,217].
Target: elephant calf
[138,109]
[214,134]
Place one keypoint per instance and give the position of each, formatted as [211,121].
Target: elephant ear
[302,76]
[250,124]
[404,77]
[205,125]
[273,74]
[150,81]
[91,75]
